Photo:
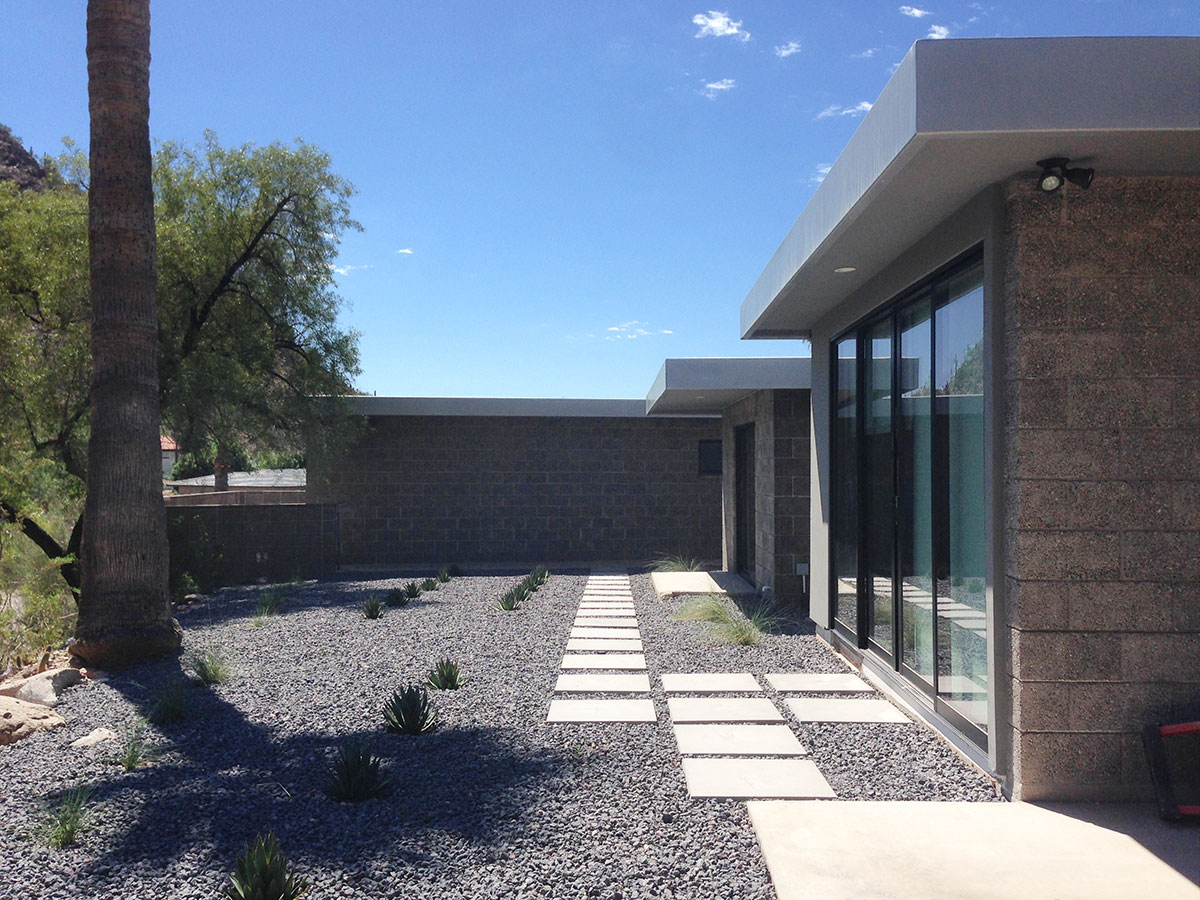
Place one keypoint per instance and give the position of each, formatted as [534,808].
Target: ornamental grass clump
[63,822]
[209,666]
[372,608]
[264,873]
[135,750]
[410,711]
[445,676]
[676,562]
[172,705]
[355,774]
[270,602]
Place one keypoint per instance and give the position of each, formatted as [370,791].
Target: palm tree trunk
[124,610]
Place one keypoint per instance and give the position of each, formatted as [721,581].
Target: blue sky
[555,195]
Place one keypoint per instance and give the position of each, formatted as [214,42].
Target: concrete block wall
[781,488]
[1101,457]
[523,489]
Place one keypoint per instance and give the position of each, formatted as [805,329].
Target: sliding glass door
[908,513]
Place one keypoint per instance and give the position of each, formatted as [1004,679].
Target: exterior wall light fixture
[844,270]
[1055,171]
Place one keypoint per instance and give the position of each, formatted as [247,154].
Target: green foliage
[372,608]
[271,601]
[706,608]
[443,576]
[172,705]
[397,597]
[202,461]
[278,459]
[412,590]
[195,555]
[62,822]
[455,572]
[135,751]
[676,563]
[209,666]
[37,612]
[429,584]
[730,624]
[354,775]
[513,598]
[410,711]
[445,676]
[263,872]
[540,575]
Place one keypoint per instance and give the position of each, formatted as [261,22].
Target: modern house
[1000,281]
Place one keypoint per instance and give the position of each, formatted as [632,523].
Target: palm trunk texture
[124,610]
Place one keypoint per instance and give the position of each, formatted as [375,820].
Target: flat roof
[702,385]
[958,116]
[496,406]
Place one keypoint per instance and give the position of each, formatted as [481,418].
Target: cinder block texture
[522,489]
[1099,433]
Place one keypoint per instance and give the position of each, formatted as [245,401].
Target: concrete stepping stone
[604,661]
[601,711]
[746,779]
[822,709]
[603,683]
[787,682]
[723,709]
[605,604]
[604,622]
[605,633]
[586,610]
[709,682]
[607,595]
[737,740]
[609,613]
[604,644]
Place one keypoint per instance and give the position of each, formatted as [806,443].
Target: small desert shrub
[63,822]
[429,584]
[410,711]
[270,602]
[706,608]
[412,590]
[443,576]
[264,873]
[676,563]
[729,624]
[209,666]
[171,705]
[372,608]
[445,676]
[397,597]
[354,775]
[454,572]
[135,751]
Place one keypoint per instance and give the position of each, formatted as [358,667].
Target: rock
[94,674]
[18,719]
[43,688]
[92,738]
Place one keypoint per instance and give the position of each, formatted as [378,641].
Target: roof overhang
[703,385]
[555,407]
[958,116]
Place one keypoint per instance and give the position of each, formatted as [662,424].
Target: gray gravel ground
[495,804]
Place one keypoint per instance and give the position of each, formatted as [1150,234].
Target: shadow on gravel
[786,621]
[221,779]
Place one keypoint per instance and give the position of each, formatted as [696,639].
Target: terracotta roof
[167,443]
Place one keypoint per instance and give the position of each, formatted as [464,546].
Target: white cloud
[713,88]
[718,24]
[346,270]
[632,330]
[785,50]
[407,251]
[938,32]
[866,54]
[914,12]
[819,175]
[859,109]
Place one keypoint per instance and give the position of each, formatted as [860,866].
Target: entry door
[744,499]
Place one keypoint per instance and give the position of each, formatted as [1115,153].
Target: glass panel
[845,488]
[879,500]
[960,556]
[914,470]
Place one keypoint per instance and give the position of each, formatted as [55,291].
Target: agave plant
[540,575]
[410,711]
[412,590]
[443,576]
[354,775]
[445,676]
[511,599]
[429,584]
[372,608]
[264,873]
[397,597]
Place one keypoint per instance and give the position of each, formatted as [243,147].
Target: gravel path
[495,804]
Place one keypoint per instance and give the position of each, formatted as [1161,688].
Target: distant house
[170,455]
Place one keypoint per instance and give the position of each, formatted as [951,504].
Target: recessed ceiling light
[842,270]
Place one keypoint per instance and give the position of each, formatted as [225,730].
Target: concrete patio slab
[737,740]
[604,661]
[605,622]
[823,709]
[723,709]
[745,779]
[708,682]
[813,681]
[674,584]
[993,851]
[604,644]
[601,711]
[605,633]
[603,683]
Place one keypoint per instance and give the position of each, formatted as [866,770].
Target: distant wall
[220,545]
[480,488]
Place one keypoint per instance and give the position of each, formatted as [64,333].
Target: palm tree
[124,611]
